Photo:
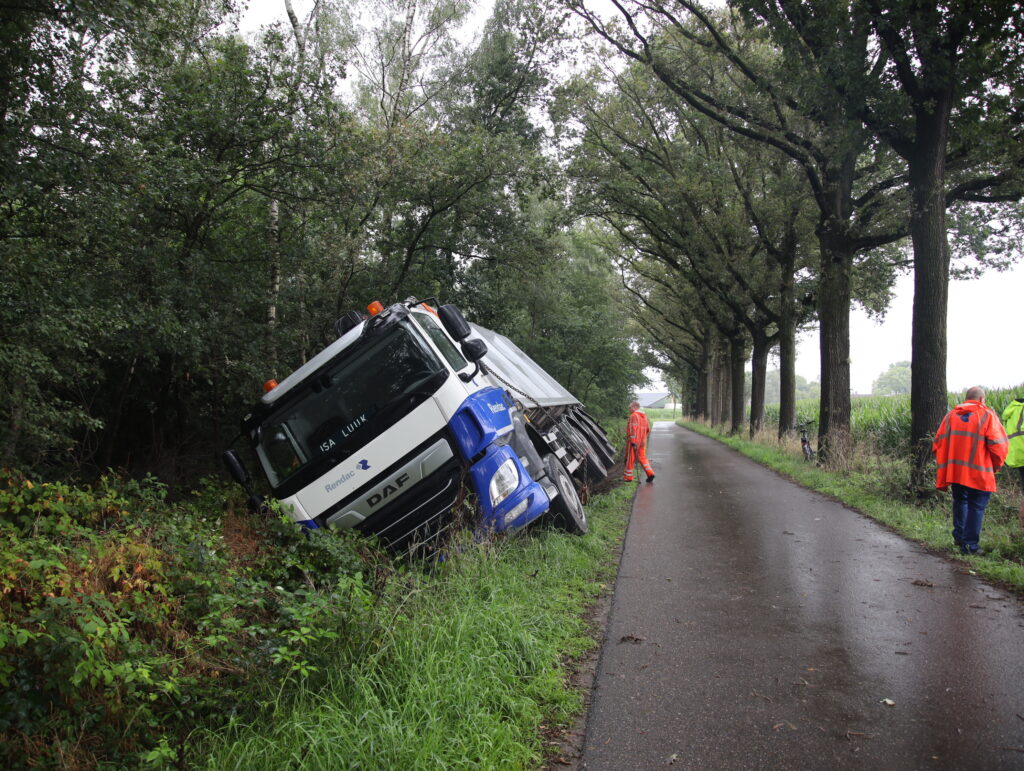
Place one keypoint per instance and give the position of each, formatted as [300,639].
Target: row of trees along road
[185,212]
[890,113]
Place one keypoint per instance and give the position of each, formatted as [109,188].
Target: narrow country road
[757,625]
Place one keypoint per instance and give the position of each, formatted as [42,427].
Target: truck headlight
[504,482]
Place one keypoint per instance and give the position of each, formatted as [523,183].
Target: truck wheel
[606,456]
[595,470]
[597,433]
[566,510]
[596,439]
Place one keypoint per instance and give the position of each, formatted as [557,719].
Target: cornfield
[884,421]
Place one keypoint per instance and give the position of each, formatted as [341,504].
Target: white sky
[262,12]
[983,334]
[259,13]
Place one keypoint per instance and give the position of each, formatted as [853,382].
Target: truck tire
[604,452]
[597,438]
[591,470]
[595,472]
[566,512]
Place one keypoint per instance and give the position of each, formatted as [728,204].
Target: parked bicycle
[805,443]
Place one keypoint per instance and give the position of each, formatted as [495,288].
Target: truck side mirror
[235,467]
[233,462]
[454,322]
[474,349]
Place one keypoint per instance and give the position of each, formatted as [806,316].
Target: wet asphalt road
[757,625]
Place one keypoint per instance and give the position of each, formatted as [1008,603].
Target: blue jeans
[968,511]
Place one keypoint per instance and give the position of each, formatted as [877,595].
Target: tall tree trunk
[724,386]
[274,286]
[737,358]
[834,293]
[704,379]
[787,355]
[714,387]
[758,371]
[928,396]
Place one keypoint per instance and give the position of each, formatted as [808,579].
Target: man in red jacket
[637,430]
[970,447]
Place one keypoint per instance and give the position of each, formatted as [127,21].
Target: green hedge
[126,620]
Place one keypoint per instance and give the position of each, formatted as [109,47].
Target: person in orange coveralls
[970,447]
[637,430]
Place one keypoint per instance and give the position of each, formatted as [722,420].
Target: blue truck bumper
[520,504]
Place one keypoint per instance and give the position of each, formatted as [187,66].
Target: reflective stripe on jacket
[637,428]
[969,447]
[1013,420]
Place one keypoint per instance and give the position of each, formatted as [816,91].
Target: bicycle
[805,442]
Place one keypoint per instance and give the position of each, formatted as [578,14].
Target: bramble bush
[126,620]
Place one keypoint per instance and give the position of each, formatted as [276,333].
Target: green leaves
[121,615]
[184,214]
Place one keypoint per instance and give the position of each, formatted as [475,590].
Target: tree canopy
[895,380]
[185,211]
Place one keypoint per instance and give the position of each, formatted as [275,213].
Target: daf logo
[387,491]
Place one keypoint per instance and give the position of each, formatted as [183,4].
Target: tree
[945,99]
[184,214]
[787,103]
[895,380]
[69,166]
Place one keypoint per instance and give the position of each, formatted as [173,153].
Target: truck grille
[420,517]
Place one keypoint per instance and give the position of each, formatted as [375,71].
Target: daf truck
[413,417]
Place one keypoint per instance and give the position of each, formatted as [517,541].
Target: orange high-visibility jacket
[970,446]
[637,428]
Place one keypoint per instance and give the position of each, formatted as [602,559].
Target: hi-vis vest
[970,446]
[1013,422]
[637,427]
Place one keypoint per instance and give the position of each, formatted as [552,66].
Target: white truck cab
[386,428]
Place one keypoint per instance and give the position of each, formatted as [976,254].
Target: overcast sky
[983,332]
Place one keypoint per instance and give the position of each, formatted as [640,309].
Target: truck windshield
[347,403]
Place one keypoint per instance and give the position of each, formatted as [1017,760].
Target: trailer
[386,428]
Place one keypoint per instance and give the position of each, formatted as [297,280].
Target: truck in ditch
[387,428]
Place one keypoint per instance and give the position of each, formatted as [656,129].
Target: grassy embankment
[139,631]
[874,479]
[469,668]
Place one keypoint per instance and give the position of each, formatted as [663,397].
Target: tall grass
[468,665]
[884,421]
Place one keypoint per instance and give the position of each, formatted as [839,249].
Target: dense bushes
[125,621]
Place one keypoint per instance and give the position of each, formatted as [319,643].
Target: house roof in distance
[648,399]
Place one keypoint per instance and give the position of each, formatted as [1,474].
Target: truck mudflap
[509,497]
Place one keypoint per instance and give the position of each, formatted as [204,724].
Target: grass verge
[470,667]
[874,485]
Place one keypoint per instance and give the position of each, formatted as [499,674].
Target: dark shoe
[650,478]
